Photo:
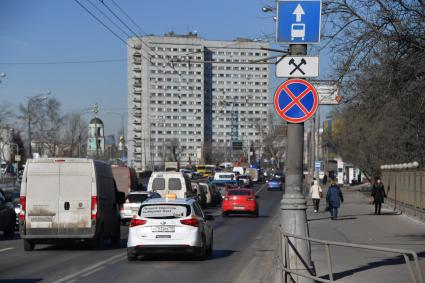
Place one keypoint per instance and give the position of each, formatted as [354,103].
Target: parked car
[240,201]
[7,216]
[132,204]
[188,172]
[274,184]
[69,199]
[170,226]
[171,183]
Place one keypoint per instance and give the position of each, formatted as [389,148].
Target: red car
[240,201]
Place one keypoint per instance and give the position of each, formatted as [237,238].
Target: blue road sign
[296,100]
[298,21]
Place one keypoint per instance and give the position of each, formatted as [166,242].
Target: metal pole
[29,128]
[293,204]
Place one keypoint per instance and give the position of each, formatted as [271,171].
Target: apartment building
[187,95]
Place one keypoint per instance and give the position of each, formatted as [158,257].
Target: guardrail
[285,243]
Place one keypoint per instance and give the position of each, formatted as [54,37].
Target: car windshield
[164,211]
[137,198]
[239,193]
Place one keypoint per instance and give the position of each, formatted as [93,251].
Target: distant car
[240,201]
[15,197]
[245,180]
[188,172]
[133,202]
[170,226]
[7,216]
[274,184]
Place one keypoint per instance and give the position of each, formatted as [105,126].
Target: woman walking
[334,198]
[316,193]
[378,194]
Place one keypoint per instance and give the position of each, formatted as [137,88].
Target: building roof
[96,121]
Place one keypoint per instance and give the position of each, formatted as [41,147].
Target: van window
[158,184]
[174,184]
[164,211]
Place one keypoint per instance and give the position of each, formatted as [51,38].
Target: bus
[209,170]
[200,169]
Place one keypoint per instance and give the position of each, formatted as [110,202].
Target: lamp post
[2,76]
[40,97]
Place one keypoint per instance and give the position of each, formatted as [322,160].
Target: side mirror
[120,197]
[209,217]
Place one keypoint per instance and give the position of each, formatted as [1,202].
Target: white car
[133,202]
[170,226]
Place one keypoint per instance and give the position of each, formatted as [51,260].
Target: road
[238,246]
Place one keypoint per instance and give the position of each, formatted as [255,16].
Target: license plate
[239,207]
[163,236]
[163,229]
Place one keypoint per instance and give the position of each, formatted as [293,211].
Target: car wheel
[10,233]
[210,247]
[29,245]
[117,238]
[131,256]
[97,242]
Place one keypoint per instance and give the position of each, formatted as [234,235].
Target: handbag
[321,194]
[370,200]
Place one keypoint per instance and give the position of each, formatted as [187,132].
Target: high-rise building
[190,98]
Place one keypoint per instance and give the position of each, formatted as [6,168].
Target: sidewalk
[357,224]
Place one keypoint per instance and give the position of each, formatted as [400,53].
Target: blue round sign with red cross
[296,100]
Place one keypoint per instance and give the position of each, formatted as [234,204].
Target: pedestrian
[378,194]
[334,198]
[325,179]
[316,194]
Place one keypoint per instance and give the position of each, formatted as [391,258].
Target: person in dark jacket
[334,198]
[378,194]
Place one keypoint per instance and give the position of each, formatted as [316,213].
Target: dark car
[7,216]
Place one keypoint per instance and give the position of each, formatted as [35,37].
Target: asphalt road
[235,245]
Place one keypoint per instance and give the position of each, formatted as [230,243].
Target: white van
[170,183]
[68,199]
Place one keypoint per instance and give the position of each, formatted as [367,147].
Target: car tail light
[137,222]
[190,222]
[23,201]
[93,207]
[226,198]
[250,199]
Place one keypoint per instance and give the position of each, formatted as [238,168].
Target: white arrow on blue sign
[298,21]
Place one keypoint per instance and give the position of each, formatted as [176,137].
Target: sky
[45,31]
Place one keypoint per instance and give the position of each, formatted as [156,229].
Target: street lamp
[39,97]
[2,75]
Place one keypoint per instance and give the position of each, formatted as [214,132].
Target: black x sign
[297,66]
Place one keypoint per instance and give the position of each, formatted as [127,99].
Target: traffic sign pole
[293,205]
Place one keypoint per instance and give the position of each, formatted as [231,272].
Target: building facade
[189,98]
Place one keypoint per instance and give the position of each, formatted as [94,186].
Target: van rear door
[42,195]
[75,198]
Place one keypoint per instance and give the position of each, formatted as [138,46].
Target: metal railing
[285,244]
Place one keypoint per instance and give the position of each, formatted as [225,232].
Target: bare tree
[174,149]
[75,135]
[378,49]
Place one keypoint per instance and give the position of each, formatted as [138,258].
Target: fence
[405,187]
[286,243]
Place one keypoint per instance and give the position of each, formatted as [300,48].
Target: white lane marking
[262,188]
[92,267]
[92,271]
[7,249]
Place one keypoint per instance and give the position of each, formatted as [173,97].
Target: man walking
[334,198]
